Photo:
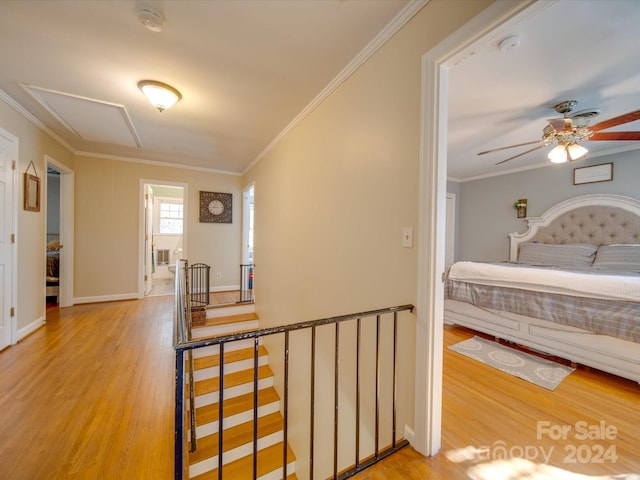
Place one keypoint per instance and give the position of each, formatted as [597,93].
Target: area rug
[539,371]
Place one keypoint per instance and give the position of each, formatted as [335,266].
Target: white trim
[432,208]
[67,182]
[14,153]
[412,7]
[106,298]
[141,225]
[224,288]
[245,220]
[29,329]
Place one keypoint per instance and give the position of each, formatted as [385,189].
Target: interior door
[7,155]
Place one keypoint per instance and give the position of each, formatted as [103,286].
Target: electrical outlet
[218,276]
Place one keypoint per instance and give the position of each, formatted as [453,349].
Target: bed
[571,287]
[53,268]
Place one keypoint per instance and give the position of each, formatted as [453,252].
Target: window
[170,218]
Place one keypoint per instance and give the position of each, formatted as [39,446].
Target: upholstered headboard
[599,219]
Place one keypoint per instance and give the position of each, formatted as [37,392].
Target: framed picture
[31,193]
[216,207]
[593,174]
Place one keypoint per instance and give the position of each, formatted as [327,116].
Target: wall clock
[215,207]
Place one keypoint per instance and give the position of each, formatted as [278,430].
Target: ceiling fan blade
[615,136]
[520,154]
[510,146]
[561,124]
[612,122]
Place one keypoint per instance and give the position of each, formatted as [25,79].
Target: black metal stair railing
[377,316]
[246,282]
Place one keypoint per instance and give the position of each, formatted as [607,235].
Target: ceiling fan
[571,128]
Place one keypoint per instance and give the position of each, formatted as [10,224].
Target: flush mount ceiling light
[161,95]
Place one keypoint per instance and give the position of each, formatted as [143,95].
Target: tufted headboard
[600,219]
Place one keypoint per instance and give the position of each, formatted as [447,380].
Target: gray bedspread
[606,317]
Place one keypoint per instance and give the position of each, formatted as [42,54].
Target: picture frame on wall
[31,190]
[593,174]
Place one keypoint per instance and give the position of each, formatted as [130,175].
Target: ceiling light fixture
[565,151]
[161,95]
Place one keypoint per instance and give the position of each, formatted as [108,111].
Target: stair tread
[235,405]
[269,459]
[237,436]
[210,385]
[229,357]
[238,318]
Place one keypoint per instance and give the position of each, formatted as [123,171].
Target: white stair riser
[229,347]
[226,329]
[238,419]
[232,367]
[277,474]
[236,391]
[232,310]
[211,463]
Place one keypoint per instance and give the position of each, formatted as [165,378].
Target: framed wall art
[216,207]
[31,190]
[593,174]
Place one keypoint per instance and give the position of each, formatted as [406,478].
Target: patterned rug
[539,371]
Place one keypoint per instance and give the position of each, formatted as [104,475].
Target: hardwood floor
[485,407]
[90,396]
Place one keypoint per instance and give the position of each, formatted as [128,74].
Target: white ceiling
[248,68]
[245,68]
[584,50]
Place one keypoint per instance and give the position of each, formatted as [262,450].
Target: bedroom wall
[107,242]
[487,216]
[331,200]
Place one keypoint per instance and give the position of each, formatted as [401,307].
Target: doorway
[59,189]
[8,214]
[163,235]
[247,224]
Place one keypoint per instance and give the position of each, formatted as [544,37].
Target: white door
[451,230]
[8,153]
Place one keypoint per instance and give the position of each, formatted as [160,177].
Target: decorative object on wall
[216,207]
[593,174]
[31,189]
[521,207]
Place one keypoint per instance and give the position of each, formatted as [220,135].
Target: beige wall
[332,198]
[107,218]
[34,144]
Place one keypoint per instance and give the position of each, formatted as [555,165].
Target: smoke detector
[510,43]
[150,18]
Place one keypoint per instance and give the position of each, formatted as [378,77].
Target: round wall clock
[215,207]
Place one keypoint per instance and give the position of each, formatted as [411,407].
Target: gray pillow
[624,258]
[575,255]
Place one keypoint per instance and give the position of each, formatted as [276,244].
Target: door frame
[14,149]
[245,220]
[67,182]
[142,226]
[487,26]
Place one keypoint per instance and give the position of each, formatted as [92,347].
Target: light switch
[407,237]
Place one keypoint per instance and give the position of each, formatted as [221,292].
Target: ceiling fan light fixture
[161,95]
[576,151]
[558,154]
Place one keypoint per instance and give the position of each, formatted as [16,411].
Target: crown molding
[372,47]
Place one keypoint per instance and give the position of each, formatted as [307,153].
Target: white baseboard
[224,288]
[29,329]
[105,298]
[409,434]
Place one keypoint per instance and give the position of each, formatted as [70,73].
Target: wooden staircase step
[235,406]
[239,318]
[269,466]
[231,380]
[238,436]
[229,357]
